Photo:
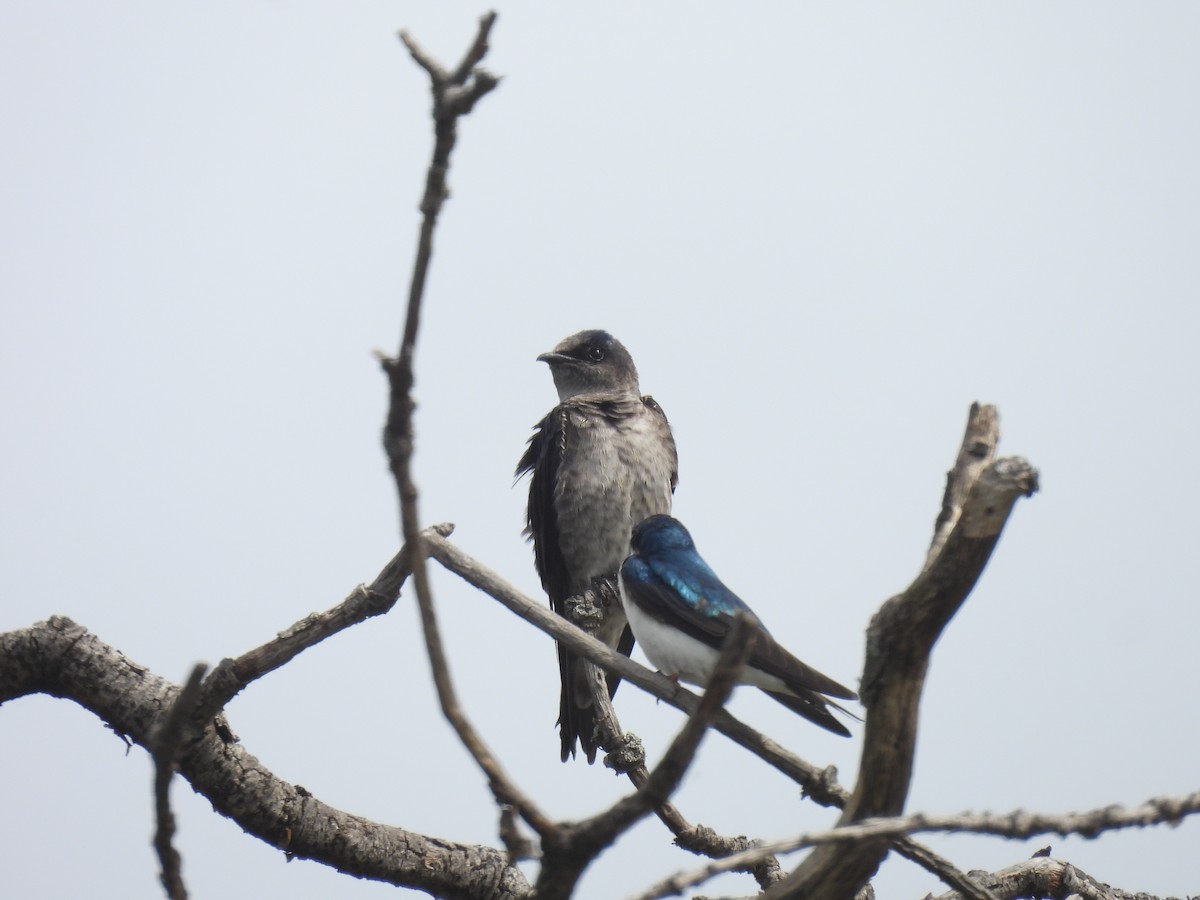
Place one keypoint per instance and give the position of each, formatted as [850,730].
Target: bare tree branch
[899,641]
[1046,877]
[503,788]
[1016,825]
[941,868]
[1021,824]
[450,100]
[63,659]
[164,749]
[231,676]
[454,95]
[977,451]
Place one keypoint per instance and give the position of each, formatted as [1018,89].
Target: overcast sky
[822,231]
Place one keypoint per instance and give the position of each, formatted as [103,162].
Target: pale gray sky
[822,230]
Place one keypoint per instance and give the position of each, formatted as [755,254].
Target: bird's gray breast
[615,471]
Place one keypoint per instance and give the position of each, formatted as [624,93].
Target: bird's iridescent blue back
[668,554]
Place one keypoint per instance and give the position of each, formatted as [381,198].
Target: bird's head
[660,534]
[591,362]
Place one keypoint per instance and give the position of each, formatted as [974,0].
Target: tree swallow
[680,612]
[602,461]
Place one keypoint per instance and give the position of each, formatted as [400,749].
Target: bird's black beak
[553,358]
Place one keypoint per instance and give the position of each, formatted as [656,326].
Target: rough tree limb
[63,659]
[1018,825]
[231,676]
[1046,877]
[899,641]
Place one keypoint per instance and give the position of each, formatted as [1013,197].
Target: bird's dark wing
[541,460]
[773,658]
[651,404]
[686,594]
[653,586]
[815,708]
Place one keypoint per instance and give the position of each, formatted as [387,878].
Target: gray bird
[602,461]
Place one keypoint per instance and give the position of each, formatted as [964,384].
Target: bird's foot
[674,680]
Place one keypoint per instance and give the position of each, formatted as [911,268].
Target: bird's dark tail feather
[815,708]
[576,724]
[577,720]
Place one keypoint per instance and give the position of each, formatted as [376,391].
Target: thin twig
[940,867]
[665,777]
[231,676]
[165,746]
[454,95]
[503,788]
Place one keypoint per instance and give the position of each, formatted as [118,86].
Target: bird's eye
[595,353]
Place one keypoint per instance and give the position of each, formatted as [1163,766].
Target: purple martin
[680,612]
[602,461]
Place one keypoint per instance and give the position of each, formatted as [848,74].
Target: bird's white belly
[677,655]
[671,651]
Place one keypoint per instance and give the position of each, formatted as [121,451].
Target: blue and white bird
[680,612]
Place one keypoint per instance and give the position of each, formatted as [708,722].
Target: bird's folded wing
[542,459]
[698,604]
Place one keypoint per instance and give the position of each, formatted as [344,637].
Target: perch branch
[899,641]
[231,676]
[819,784]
